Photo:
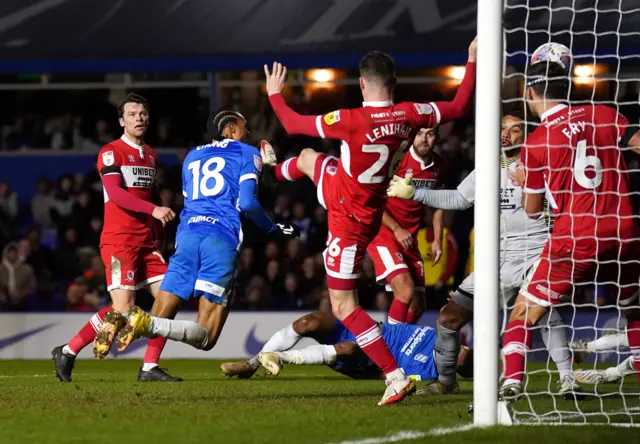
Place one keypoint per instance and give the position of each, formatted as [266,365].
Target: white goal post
[487,209]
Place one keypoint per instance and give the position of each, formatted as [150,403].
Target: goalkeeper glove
[402,188]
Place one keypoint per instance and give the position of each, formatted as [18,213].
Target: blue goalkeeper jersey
[211,177]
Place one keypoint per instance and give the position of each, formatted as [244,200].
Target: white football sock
[554,336]
[396,375]
[188,332]
[312,355]
[608,342]
[67,351]
[146,366]
[282,340]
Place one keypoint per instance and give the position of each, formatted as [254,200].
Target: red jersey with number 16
[575,154]
[372,137]
[137,166]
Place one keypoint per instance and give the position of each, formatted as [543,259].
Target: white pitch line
[410,434]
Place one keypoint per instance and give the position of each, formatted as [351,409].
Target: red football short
[130,268]
[348,238]
[559,269]
[390,259]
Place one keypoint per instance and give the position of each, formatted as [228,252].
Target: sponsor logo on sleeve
[107,158]
[423,108]
[331,118]
[257,161]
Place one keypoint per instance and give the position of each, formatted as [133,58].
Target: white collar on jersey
[419,159]
[378,104]
[552,111]
[140,148]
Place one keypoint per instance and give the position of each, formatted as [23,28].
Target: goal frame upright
[487,212]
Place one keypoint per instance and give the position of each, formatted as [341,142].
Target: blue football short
[203,265]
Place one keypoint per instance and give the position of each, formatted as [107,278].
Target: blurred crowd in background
[50,256]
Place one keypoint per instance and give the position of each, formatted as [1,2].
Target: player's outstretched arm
[458,107]
[124,199]
[249,205]
[292,122]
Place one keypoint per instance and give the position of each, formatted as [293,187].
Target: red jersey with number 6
[574,154]
[372,137]
[137,166]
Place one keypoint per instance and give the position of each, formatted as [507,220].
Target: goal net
[603,37]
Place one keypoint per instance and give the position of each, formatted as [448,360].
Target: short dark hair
[379,66]
[548,79]
[219,120]
[132,98]
[517,113]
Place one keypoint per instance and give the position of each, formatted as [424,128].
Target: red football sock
[397,312]
[411,318]
[517,342]
[87,334]
[633,335]
[369,338]
[288,171]
[154,348]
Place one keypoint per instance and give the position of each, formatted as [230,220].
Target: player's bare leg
[317,326]
[417,306]
[403,292]
[291,169]
[114,321]
[369,338]
[450,321]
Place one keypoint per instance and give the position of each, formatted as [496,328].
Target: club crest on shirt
[423,108]
[107,158]
[130,275]
[332,117]
[409,170]
[257,161]
[131,158]
[399,256]
[332,169]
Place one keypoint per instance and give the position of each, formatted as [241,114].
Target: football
[552,52]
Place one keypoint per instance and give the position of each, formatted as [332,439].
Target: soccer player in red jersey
[128,168]
[354,192]
[394,251]
[574,154]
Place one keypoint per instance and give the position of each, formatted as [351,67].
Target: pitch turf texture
[105,404]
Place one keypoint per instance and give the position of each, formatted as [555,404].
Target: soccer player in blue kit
[412,346]
[219,182]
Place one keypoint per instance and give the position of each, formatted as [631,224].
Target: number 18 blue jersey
[211,177]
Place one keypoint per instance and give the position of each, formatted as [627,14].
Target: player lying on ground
[522,241]
[215,178]
[595,234]
[611,342]
[353,192]
[131,217]
[411,345]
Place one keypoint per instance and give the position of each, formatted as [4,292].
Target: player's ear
[362,83]
[121,120]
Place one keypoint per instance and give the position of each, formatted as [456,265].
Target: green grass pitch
[105,404]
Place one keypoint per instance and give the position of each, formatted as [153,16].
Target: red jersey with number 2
[372,137]
[574,153]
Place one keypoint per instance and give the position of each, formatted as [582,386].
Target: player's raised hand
[276,78]
[402,188]
[163,214]
[403,237]
[473,49]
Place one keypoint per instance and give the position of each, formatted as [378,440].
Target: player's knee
[452,317]
[306,160]
[306,325]
[403,288]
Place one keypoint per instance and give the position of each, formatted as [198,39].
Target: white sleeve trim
[249,176]
[319,127]
[534,191]
[435,108]
[110,174]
